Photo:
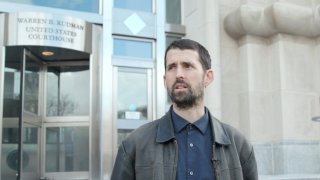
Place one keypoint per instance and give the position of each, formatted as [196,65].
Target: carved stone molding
[276,18]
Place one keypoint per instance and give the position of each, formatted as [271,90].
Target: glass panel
[170,39]
[173,11]
[31,87]
[132,48]
[11,92]
[141,5]
[77,5]
[67,149]
[68,91]
[9,151]
[11,113]
[132,93]
[30,152]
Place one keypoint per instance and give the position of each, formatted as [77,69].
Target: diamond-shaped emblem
[134,23]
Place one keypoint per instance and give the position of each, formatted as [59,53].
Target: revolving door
[46,114]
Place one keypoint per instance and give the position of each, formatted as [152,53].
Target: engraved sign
[41,29]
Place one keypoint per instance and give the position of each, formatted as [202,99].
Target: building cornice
[276,18]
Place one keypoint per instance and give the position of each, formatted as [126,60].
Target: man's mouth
[180,86]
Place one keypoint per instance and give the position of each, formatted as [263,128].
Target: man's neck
[191,114]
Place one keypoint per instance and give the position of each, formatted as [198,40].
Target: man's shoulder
[149,126]
[224,126]
[233,134]
[147,130]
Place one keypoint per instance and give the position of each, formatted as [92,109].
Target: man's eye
[187,66]
[171,67]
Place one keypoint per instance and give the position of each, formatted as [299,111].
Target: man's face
[185,78]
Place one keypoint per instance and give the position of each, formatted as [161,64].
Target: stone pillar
[299,147]
[278,90]
[316,103]
[259,92]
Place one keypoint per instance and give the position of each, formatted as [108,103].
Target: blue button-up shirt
[195,148]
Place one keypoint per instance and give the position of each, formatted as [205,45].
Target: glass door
[31,121]
[21,121]
[134,107]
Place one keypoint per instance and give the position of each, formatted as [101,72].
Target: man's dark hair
[183,44]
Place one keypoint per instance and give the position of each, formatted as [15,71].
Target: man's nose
[180,73]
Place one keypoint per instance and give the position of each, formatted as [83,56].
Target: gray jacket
[151,153]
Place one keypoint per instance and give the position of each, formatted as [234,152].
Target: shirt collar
[179,123]
[165,130]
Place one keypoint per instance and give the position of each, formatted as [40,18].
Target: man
[187,142]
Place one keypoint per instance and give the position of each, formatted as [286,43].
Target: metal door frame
[62,121]
[23,114]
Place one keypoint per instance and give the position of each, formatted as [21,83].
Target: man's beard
[186,99]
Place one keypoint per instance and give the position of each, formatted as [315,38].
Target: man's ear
[164,81]
[209,77]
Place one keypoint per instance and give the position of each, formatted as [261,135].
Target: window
[132,94]
[173,11]
[11,92]
[31,86]
[63,146]
[132,48]
[141,5]
[134,99]
[68,91]
[77,5]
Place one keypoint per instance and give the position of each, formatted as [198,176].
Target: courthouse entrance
[47,103]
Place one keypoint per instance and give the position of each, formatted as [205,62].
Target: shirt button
[191,173]
[191,144]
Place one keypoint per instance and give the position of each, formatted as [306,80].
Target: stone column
[316,103]
[279,85]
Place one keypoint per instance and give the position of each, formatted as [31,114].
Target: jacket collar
[219,133]
[165,131]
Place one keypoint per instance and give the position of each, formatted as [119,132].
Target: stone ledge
[277,18]
[288,158]
[292,177]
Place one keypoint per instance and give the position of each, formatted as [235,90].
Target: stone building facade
[266,60]
[266,55]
